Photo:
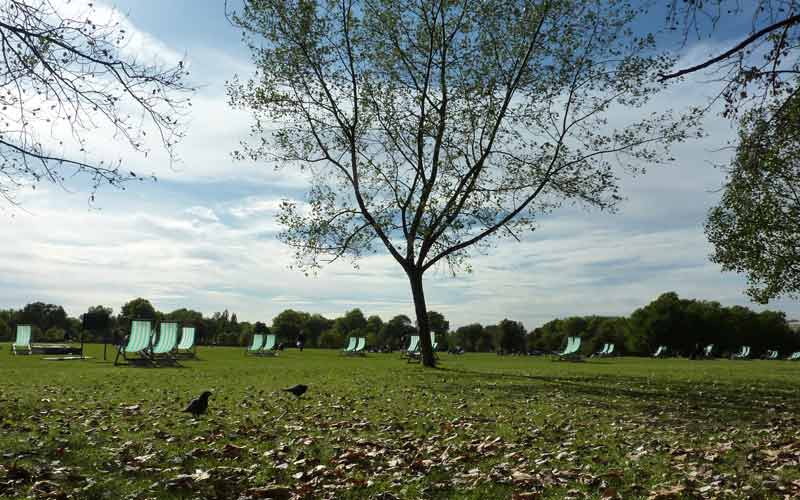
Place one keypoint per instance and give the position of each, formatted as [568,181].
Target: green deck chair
[23,341]
[743,353]
[255,347]
[361,345]
[413,345]
[167,340]
[611,348]
[773,354]
[139,341]
[603,351]
[268,349]
[571,351]
[412,351]
[186,345]
[351,345]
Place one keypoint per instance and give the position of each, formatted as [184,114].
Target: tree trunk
[423,326]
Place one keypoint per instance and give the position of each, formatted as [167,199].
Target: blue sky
[203,236]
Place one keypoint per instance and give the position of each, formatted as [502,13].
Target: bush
[331,339]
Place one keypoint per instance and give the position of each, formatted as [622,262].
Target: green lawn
[481,426]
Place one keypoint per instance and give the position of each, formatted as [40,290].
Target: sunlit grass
[481,426]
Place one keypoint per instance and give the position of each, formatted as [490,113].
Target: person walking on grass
[301,341]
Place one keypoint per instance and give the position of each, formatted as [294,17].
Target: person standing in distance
[301,341]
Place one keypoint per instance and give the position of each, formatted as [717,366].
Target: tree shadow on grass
[736,402]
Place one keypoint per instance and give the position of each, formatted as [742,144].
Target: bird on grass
[298,390]
[198,406]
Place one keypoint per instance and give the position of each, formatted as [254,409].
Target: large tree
[65,74]
[758,75]
[754,229]
[431,128]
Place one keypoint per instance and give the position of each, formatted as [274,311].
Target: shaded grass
[480,426]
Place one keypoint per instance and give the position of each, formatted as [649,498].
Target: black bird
[198,406]
[297,390]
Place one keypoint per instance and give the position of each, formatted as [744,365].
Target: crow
[297,390]
[198,406]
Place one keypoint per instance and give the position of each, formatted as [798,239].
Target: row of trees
[680,324]
[416,119]
[51,323]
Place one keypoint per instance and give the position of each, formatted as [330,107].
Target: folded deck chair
[268,349]
[138,342]
[186,345]
[571,351]
[794,357]
[255,346]
[709,351]
[661,351]
[167,340]
[22,345]
[351,345]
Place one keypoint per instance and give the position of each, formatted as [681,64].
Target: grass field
[481,426]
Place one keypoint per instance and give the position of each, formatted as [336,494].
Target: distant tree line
[680,324]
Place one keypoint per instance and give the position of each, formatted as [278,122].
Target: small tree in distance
[432,128]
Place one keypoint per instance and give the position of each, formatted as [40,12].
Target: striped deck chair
[603,351]
[794,357]
[412,350]
[23,341]
[660,352]
[268,349]
[186,346]
[743,353]
[772,354]
[572,350]
[167,340]
[708,352]
[255,347]
[351,345]
[138,342]
[361,345]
